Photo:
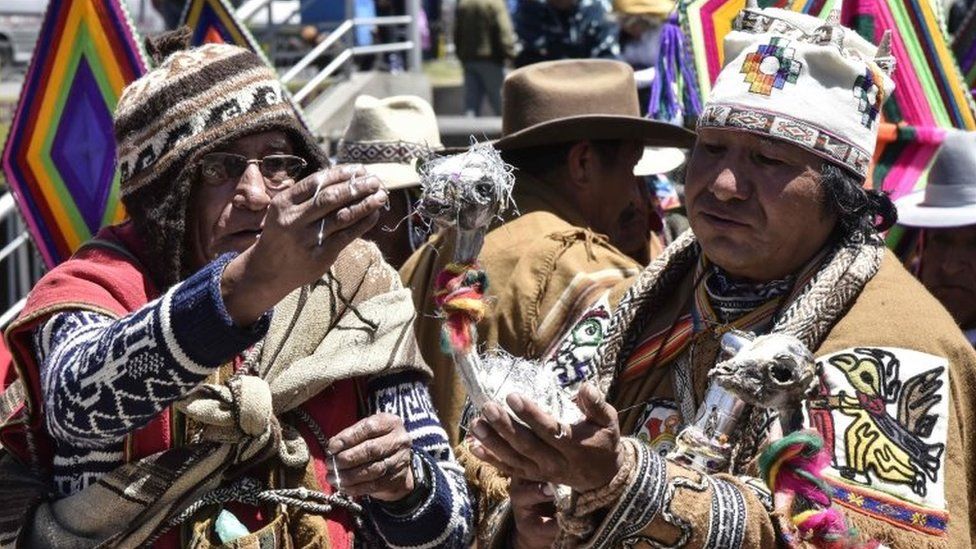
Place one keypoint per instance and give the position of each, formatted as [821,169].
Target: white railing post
[413,29]
[19,264]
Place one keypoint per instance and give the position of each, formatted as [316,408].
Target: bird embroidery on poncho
[877,443]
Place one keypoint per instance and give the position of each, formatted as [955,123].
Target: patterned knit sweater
[103,378]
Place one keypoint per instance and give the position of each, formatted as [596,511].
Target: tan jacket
[545,268]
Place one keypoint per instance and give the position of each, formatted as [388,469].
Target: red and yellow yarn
[459,293]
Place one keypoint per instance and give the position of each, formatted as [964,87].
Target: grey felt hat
[949,199]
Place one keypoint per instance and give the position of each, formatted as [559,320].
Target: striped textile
[929,96]
[59,159]
[664,346]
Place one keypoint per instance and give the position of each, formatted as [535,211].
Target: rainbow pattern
[706,22]
[214,22]
[59,158]
[930,96]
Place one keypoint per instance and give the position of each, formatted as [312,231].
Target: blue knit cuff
[200,322]
[433,511]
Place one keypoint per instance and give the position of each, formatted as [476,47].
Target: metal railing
[337,62]
[21,266]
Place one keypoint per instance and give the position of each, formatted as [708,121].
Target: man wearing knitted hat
[784,241]
[233,358]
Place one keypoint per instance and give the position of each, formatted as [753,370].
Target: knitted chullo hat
[800,79]
[193,102]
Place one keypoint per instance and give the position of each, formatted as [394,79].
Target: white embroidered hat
[388,136]
[803,80]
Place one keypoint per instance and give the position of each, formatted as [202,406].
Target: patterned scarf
[822,292]
[730,298]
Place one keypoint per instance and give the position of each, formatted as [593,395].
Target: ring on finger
[352,185]
[386,467]
[563,431]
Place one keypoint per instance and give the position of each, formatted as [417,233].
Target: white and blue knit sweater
[103,378]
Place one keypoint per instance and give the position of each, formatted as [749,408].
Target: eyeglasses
[280,170]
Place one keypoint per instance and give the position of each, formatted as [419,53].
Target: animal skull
[466,189]
[771,371]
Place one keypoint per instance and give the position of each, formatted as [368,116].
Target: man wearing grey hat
[945,211]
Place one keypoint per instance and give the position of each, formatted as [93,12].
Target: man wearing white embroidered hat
[946,212]
[784,241]
[388,136]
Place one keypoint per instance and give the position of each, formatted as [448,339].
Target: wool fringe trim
[488,482]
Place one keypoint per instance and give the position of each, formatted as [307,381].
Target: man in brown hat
[583,216]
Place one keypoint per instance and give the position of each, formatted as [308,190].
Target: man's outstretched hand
[343,202]
[584,456]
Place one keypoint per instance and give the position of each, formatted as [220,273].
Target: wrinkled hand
[287,254]
[373,459]
[584,456]
[534,513]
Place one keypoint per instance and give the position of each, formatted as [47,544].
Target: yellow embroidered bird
[889,448]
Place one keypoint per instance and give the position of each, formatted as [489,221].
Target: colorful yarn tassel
[674,95]
[459,295]
[792,467]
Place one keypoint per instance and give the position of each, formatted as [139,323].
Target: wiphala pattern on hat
[770,67]
[194,102]
[867,90]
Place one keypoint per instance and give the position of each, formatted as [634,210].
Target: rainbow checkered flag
[59,159]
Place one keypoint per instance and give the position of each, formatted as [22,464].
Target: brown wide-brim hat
[576,99]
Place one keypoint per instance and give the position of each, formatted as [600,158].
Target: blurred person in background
[483,40]
[945,213]
[564,29]
[171,10]
[640,38]
[657,167]
[389,136]
[146,17]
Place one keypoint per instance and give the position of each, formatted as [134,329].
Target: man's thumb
[594,406]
